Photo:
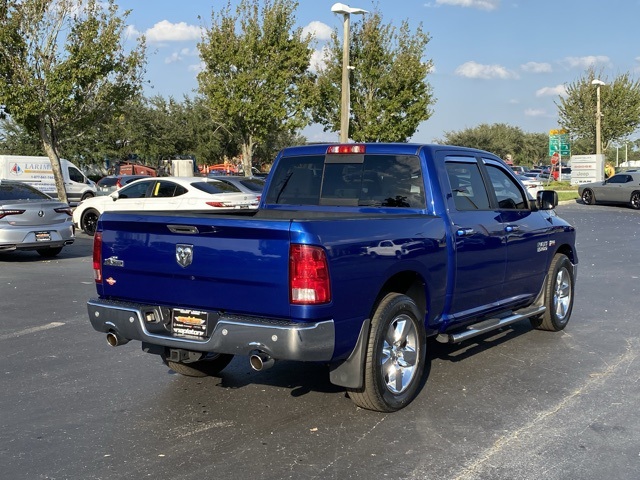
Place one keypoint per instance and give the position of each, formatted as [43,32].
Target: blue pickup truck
[357,254]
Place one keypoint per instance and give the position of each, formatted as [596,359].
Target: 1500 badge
[114,262]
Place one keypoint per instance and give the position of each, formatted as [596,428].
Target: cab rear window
[355,180]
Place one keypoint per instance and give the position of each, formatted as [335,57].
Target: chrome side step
[489,325]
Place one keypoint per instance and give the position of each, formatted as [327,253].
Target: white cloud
[318,57]
[180,55]
[479,4]
[477,70]
[131,32]
[535,112]
[319,30]
[552,91]
[198,67]
[535,67]
[166,31]
[588,61]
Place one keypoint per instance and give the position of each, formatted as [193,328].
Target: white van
[36,171]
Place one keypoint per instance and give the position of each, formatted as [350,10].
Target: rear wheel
[89,221]
[635,200]
[86,195]
[211,365]
[49,252]
[395,357]
[558,296]
[588,197]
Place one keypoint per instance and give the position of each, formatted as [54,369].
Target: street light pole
[345,100]
[598,84]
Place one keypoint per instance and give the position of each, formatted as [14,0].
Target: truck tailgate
[211,262]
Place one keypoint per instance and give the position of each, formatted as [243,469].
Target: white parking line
[27,331]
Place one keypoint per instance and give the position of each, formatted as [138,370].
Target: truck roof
[376,148]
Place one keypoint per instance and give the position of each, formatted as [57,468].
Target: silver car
[32,220]
[620,188]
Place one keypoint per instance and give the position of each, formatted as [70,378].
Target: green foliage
[502,140]
[256,77]
[390,95]
[63,70]
[619,105]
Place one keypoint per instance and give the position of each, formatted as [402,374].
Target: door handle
[465,232]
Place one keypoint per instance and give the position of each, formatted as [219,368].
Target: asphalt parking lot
[516,404]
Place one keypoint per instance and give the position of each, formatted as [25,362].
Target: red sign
[555,158]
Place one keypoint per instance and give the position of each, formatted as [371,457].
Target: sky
[495,61]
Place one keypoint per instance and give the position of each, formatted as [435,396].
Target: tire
[635,200]
[89,221]
[49,252]
[558,296]
[87,195]
[588,198]
[393,369]
[210,366]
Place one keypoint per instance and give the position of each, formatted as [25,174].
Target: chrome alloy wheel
[399,359]
[562,294]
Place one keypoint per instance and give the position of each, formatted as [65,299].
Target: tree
[63,69]
[256,72]
[619,105]
[503,140]
[390,95]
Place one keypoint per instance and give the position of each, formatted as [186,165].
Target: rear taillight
[66,210]
[4,213]
[97,257]
[309,282]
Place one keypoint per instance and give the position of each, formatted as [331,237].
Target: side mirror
[547,199]
[115,196]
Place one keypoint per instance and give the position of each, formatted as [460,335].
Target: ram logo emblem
[184,254]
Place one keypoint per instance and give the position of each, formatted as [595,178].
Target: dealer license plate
[189,323]
[43,236]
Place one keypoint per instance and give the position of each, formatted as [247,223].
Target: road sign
[559,142]
[555,158]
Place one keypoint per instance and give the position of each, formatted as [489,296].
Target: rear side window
[369,180]
[20,191]
[167,189]
[467,186]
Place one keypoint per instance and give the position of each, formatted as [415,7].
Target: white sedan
[532,185]
[165,193]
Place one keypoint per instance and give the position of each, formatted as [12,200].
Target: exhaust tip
[115,340]
[261,361]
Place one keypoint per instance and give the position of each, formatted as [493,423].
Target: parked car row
[169,193]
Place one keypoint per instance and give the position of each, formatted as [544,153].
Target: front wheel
[635,200]
[395,357]
[89,221]
[558,296]
[587,197]
[211,365]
